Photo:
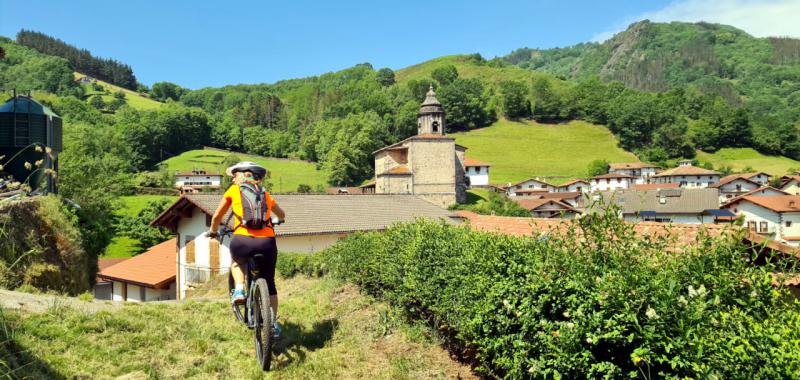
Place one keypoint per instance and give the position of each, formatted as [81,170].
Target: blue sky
[198,43]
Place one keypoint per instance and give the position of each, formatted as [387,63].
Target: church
[429,164]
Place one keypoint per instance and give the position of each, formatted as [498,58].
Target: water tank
[27,129]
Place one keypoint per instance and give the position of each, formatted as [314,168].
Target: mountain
[761,73]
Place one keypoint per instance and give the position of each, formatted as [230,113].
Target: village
[422,176]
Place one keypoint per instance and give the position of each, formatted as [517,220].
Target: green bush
[309,264]
[596,301]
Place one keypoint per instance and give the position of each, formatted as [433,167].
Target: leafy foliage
[593,302]
[138,227]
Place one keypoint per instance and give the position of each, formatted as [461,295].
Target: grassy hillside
[132,98]
[520,150]
[330,331]
[466,69]
[285,174]
[740,158]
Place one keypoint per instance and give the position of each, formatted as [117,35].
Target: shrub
[596,301]
[309,264]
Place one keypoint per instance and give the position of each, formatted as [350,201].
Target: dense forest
[759,75]
[81,60]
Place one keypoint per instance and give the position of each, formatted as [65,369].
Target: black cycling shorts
[244,247]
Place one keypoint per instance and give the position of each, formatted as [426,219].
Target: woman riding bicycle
[247,242]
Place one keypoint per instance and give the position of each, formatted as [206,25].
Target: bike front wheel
[264,319]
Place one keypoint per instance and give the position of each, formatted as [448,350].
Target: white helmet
[247,166]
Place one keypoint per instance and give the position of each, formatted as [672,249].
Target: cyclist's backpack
[255,210]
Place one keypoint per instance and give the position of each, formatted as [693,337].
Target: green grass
[329,331]
[285,174]
[520,150]
[466,69]
[121,246]
[741,158]
[132,98]
[132,204]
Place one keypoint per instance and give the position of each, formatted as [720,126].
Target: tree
[97,102]
[385,77]
[138,227]
[466,104]
[166,90]
[515,102]
[303,188]
[445,74]
[597,167]
[546,103]
[119,95]
[673,139]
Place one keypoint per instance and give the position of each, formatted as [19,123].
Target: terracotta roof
[105,263]
[612,175]
[686,170]
[753,174]
[788,178]
[655,186]
[574,181]
[154,268]
[759,190]
[473,162]
[733,177]
[682,234]
[314,214]
[532,179]
[777,203]
[531,191]
[533,204]
[560,195]
[631,165]
[397,170]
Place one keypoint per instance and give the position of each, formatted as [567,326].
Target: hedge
[596,301]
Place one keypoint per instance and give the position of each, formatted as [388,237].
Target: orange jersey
[235,197]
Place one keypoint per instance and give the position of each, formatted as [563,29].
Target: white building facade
[611,182]
[642,172]
[774,217]
[477,172]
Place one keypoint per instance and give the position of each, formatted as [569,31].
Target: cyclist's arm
[223,207]
[279,211]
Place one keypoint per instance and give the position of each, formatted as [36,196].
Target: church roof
[431,104]
[397,170]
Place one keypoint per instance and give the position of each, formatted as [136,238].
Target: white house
[611,182]
[758,177]
[149,276]
[642,171]
[687,176]
[684,206]
[313,222]
[530,185]
[764,191]
[791,184]
[576,185]
[733,186]
[548,208]
[477,172]
[774,217]
[197,179]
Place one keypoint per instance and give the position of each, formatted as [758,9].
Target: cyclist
[247,242]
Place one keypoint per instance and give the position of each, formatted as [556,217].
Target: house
[149,276]
[687,176]
[763,191]
[573,198]
[776,217]
[642,171]
[578,185]
[611,182]
[758,177]
[685,206]
[429,164]
[102,287]
[313,222]
[547,208]
[791,184]
[733,186]
[197,179]
[531,185]
[477,172]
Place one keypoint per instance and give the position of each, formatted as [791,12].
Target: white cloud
[761,18]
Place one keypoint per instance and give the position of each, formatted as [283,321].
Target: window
[763,227]
[208,220]
[187,239]
[788,223]
[435,126]
[617,180]
[683,183]
[751,226]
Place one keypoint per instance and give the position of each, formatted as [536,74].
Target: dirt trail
[38,303]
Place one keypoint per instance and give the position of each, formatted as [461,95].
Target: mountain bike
[256,312]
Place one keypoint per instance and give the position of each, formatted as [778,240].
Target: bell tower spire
[430,119]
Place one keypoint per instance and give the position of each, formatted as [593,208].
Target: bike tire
[264,319]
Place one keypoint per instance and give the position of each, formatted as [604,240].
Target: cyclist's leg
[240,253]
[267,270]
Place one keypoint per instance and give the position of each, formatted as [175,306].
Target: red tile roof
[532,179]
[533,204]
[154,268]
[777,203]
[733,200]
[473,162]
[105,263]
[631,165]
[574,181]
[733,177]
[686,170]
[397,170]
[612,175]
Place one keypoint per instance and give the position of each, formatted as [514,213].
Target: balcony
[195,275]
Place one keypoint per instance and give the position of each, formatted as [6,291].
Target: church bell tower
[430,119]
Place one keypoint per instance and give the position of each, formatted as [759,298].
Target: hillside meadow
[518,150]
[740,159]
[285,174]
[132,98]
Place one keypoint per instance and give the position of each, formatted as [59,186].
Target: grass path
[330,331]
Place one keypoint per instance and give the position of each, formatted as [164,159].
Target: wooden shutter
[190,252]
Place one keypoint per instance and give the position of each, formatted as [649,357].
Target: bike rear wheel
[264,319]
